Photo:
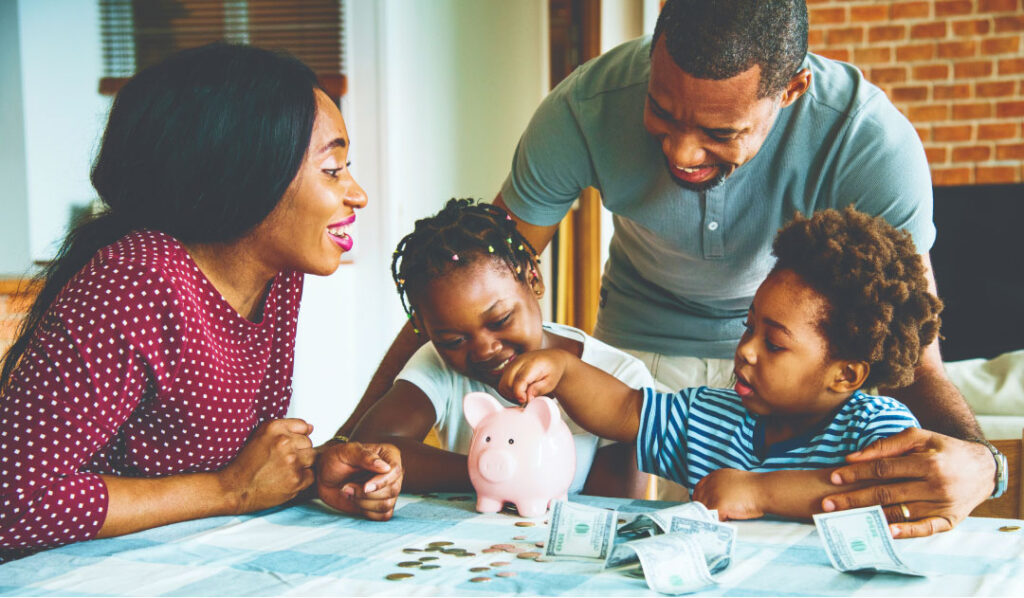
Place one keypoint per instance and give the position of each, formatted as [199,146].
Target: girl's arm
[593,398]
[794,493]
[403,417]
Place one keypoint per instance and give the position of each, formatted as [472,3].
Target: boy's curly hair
[457,236]
[879,307]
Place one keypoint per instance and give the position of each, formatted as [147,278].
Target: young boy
[846,306]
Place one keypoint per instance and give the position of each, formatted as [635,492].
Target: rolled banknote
[670,563]
[580,532]
[859,539]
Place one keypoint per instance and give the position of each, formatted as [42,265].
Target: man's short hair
[719,39]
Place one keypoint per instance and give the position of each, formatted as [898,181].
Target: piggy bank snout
[497,465]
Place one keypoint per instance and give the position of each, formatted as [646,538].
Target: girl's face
[480,317]
[782,361]
[307,230]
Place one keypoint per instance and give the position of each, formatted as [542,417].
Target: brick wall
[955,68]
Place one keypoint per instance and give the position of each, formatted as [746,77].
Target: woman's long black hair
[201,146]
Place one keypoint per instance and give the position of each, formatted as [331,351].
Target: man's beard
[723,172]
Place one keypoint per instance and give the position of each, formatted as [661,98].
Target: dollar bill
[859,540]
[669,563]
[655,522]
[580,532]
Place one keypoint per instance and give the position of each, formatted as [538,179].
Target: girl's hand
[532,375]
[346,478]
[736,494]
[273,467]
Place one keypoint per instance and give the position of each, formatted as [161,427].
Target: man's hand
[361,479]
[935,479]
[736,494]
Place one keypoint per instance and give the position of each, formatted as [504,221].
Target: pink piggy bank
[525,456]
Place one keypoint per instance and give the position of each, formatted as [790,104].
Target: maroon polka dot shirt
[140,368]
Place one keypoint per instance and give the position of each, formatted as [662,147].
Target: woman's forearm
[136,504]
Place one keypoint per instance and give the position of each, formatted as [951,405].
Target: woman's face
[308,229]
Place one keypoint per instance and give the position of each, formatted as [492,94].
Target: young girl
[469,281]
[846,306]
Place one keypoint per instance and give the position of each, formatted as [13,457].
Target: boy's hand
[736,494]
[532,375]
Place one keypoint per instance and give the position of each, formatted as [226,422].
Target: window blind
[138,33]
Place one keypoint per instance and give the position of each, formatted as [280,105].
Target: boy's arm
[594,399]
[794,493]
[403,417]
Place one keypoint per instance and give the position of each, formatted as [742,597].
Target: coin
[525,524]
[466,554]
[504,546]
[480,579]
[452,550]
[479,569]
[428,558]
[411,550]
[430,567]
[541,559]
[1009,528]
[506,573]
[409,564]
[488,550]
[528,555]
[500,564]
[519,537]
[441,543]
[539,544]
[621,521]
[398,576]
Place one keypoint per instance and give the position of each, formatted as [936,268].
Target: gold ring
[905,511]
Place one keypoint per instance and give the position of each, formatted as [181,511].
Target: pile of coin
[520,546]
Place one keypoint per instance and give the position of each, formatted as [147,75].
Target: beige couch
[994,388]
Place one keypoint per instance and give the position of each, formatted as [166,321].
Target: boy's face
[782,363]
[480,318]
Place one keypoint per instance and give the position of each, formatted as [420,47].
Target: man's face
[708,128]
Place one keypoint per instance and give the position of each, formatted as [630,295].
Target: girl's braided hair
[460,234]
[880,309]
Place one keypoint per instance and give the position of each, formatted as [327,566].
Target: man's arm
[538,236]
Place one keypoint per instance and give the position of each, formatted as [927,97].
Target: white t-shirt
[445,388]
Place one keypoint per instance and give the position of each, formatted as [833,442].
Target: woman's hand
[937,479]
[273,467]
[736,494]
[361,479]
[533,374]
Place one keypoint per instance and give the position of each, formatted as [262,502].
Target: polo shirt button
[712,226]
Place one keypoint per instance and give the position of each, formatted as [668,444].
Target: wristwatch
[342,439]
[1002,469]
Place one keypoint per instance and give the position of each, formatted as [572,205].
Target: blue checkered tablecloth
[308,550]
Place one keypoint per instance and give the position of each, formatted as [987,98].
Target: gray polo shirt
[683,266]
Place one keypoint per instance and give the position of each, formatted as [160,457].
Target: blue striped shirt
[686,435]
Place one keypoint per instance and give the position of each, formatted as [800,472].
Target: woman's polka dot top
[140,368]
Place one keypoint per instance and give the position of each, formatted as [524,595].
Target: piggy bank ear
[478,405]
[544,409]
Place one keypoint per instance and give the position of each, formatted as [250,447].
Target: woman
[149,382]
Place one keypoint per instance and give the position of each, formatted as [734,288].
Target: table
[309,550]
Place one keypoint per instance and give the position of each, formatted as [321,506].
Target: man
[703,142]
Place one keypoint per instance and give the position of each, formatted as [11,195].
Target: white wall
[439,93]
[64,113]
[14,238]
